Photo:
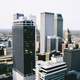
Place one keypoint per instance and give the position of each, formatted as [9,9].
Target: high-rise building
[72,59]
[53,69]
[46,28]
[54,43]
[23,48]
[58,25]
[51,25]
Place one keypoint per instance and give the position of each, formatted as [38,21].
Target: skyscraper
[46,29]
[72,59]
[59,22]
[23,48]
[51,25]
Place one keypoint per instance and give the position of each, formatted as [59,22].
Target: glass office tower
[23,48]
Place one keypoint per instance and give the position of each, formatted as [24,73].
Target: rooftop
[55,61]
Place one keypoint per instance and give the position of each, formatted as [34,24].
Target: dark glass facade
[29,47]
[72,59]
[24,46]
[60,25]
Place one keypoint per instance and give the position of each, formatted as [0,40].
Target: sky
[68,8]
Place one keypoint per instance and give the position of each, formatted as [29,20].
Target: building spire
[69,36]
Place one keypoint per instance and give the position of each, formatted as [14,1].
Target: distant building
[10,42]
[51,25]
[37,40]
[67,41]
[72,59]
[44,57]
[23,48]
[54,43]
[53,69]
[58,25]
[67,37]
[7,59]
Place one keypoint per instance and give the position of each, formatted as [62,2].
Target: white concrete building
[51,25]
[51,70]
